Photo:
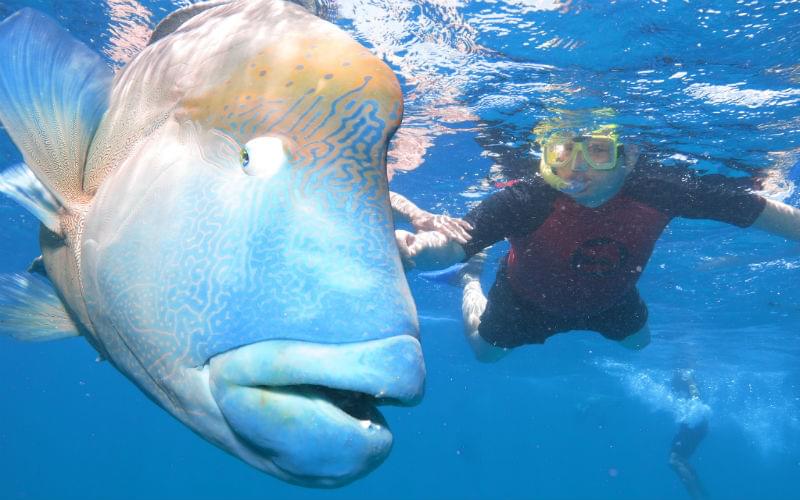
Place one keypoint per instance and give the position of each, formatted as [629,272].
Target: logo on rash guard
[600,257]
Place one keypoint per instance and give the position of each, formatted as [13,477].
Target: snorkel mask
[560,148]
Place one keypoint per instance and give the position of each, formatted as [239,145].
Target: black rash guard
[571,260]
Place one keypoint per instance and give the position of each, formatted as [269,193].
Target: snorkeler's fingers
[455,229]
[423,221]
[455,235]
[460,233]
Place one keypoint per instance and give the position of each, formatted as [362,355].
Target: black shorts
[688,439]
[511,321]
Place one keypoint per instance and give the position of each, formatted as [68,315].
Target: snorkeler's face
[579,177]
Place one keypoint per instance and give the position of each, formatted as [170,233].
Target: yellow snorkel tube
[553,179]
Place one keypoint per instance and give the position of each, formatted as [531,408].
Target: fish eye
[263,156]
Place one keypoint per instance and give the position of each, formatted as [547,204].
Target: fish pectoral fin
[37,267]
[31,311]
[20,184]
[53,93]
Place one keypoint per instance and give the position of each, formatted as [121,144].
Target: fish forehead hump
[252,68]
[283,74]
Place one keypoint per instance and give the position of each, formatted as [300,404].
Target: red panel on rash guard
[584,259]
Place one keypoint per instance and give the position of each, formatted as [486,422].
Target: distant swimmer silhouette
[690,434]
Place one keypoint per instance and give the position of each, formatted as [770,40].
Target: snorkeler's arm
[402,207]
[730,200]
[684,192]
[515,211]
[405,209]
[780,219]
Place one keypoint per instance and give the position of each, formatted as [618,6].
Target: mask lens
[601,152]
[558,150]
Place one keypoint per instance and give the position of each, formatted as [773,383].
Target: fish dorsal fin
[176,19]
[53,93]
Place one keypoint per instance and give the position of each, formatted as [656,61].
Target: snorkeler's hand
[451,227]
[427,250]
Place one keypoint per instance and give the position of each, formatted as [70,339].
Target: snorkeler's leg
[689,436]
[472,271]
[686,473]
[472,307]
[626,322]
[638,340]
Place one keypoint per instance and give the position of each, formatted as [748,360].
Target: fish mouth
[308,412]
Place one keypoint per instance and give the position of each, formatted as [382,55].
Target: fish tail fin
[53,93]
[31,311]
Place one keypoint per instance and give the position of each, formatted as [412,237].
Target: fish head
[240,264]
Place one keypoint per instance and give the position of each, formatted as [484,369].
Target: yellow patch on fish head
[306,90]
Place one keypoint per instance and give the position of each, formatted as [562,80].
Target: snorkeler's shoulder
[530,187]
[514,209]
[654,178]
[658,186]
[530,193]
[650,177]
[516,192]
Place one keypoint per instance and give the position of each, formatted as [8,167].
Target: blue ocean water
[715,85]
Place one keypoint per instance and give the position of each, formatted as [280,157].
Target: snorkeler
[581,234]
[690,433]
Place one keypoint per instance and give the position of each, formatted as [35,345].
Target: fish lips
[309,409]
